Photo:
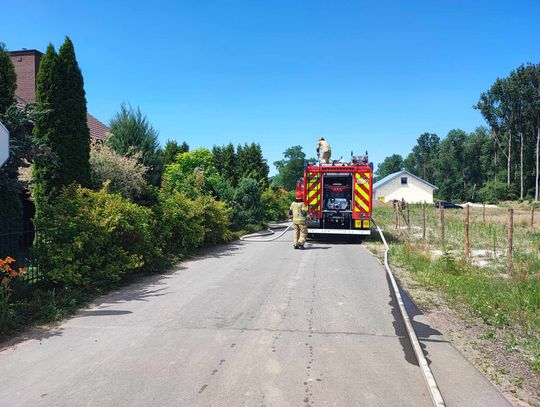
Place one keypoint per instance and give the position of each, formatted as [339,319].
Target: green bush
[179,227]
[93,238]
[247,209]
[276,203]
[495,191]
[216,217]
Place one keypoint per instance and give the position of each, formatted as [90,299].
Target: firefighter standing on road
[324,150]
[299,213]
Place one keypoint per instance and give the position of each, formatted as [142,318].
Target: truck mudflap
[318,231]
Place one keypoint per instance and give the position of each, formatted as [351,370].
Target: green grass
[509,304]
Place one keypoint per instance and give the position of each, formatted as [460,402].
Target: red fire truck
[338,197]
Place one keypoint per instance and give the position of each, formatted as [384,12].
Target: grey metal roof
[390,177]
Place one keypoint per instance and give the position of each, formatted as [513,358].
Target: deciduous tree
[291,168]
[391,164]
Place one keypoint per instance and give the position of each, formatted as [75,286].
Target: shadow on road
[423,331]
[103,312]
[337,239]
[229,249]
[37,333]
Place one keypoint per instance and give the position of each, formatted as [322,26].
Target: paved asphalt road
[247,324]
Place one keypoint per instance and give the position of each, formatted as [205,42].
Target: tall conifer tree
[8,79]
[62,127]
[46,126]
[74,148]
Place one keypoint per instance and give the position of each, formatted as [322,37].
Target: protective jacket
[298,211]
[323,146]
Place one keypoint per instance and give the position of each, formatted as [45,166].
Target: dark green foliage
[247,209]
[22,147]
[451,164]
[179,227]
[291,168]
[11,213]
[216,220]
[226,163]
[93,238]
[251,164]
[23,150]
[172,149]
[73,148]
[511,107]
[495,191]
[47,127]
[132,135]
[422,160]
[61,126]
[8,79]
[194,174]
[391,164]
[246,162]
[276,203]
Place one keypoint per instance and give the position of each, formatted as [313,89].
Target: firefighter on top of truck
[299,212]
[323,150]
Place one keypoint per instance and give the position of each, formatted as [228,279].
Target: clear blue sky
[367,75]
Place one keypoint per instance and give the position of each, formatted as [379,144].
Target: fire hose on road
[254,237]
[422,362]
[434,391]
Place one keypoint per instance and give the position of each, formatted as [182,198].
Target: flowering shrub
[7,274]
[125,174]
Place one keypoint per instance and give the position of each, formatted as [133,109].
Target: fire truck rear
[338,197]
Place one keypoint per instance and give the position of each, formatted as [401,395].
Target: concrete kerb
[434,391]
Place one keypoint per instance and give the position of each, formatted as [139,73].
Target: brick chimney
[26,63]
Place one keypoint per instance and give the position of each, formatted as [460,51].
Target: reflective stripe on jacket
[297,208]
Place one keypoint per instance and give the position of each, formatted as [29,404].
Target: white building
[403,185]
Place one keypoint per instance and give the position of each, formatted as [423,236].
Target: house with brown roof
[26,63]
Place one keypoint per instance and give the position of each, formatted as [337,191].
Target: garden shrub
[179,227]
[93,238]
[495,191]
[276,203]
[125,174]
[247,210]
[216,217]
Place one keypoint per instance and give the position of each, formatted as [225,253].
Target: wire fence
[23,246]
[505,239]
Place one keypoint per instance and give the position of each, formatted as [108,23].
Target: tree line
[498,162]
